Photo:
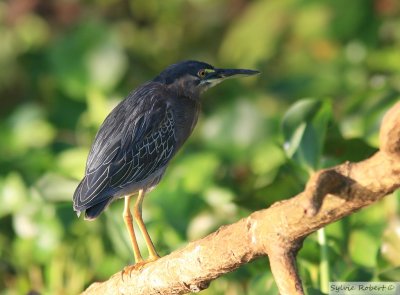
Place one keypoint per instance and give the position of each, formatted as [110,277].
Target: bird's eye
[202,73]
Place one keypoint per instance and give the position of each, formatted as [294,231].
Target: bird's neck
[184,88]
[186,112]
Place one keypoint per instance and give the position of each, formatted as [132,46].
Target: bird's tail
[94,211]
[91,209]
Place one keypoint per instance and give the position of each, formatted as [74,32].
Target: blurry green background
[65,64]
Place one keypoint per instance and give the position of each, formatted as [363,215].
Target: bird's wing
[132,144]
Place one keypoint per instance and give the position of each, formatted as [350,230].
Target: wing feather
[134,142]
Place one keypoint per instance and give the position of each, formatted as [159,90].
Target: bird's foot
[137,266]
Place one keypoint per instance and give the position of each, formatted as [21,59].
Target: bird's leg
[137,211]
[129,225]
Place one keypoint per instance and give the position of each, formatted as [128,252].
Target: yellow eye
[202,73]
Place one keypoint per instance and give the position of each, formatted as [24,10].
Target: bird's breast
[185,116]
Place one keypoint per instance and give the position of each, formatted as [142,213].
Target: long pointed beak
[219,75]
[231,73]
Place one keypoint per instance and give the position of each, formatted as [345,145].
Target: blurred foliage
[65,64]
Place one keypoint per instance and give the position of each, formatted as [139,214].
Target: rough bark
[277,231]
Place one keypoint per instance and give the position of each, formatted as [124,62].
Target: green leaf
[363,248]
[13,194]
[242,45]
[391,275]
[71,162]
[388,255]
[304,127]
[54,187]
[263,283]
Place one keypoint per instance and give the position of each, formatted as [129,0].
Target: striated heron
[139,137]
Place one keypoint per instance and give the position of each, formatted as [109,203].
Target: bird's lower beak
[231,73]
[219,75]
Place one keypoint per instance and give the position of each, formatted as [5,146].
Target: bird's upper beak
[230,73]
[216,76]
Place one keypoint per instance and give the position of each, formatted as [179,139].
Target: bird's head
[191,78]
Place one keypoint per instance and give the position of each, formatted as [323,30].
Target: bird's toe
[137,266]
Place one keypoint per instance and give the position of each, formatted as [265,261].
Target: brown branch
[277,231]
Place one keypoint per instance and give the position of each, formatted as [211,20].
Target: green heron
[139,137]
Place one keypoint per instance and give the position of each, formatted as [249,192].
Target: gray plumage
[141,135]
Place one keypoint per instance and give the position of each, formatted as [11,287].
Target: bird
[137,140]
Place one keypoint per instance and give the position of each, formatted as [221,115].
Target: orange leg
[128,222]
[139,262]
[137,211]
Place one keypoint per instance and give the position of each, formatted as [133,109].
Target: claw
[137,266]
[130,268]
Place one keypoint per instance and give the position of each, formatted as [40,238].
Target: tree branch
[277,231]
